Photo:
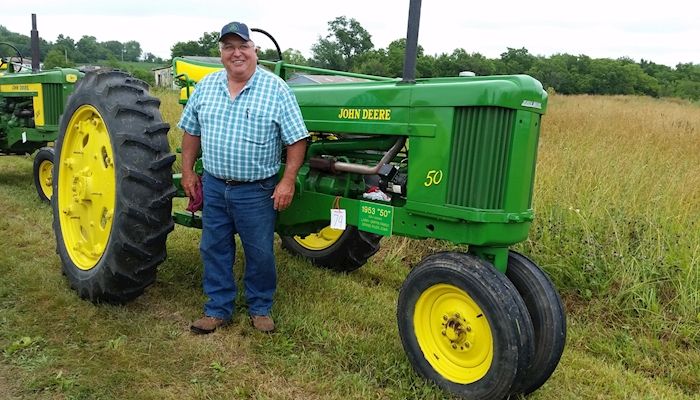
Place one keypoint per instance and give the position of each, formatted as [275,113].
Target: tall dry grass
[618,203]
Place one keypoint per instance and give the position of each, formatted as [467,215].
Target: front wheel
[548,319]
[113,186]
[43,173]
[462,326]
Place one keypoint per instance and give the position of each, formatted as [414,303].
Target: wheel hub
[457,331]
[81,186]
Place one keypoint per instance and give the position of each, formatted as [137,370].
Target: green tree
[114,48]
[269,54]
[22,43]
[553,73]
[206,46]
[152,58]
[516,61]
[373,62]
[57,58]
[132,51]
[90,49]
[210,43]
[641,82]
[191,48]
[65,45]
[425,66]
[474,62]
[395,54]
[295,57]
[346,41]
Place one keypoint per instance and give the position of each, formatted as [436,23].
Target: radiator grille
[53,103]
[479,158]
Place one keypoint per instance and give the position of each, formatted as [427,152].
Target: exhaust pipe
[409,63]
[35,46]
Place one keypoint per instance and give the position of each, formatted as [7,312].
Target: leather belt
[232,182]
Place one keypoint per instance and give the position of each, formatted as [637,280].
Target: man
[241,117]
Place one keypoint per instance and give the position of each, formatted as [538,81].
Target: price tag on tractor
[376,218]
[337,218]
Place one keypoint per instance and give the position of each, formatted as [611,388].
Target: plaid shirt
[242,138]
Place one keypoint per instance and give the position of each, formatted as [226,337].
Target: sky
[665,32]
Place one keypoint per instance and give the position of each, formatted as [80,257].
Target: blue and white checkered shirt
[242,138]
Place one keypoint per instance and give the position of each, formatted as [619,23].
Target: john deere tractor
[31,103]
[447,158]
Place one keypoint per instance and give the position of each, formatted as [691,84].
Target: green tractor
[31,103]
[445,158]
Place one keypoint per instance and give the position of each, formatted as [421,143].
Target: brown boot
[206,325]
[263,323]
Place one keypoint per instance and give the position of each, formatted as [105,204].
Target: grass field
[617,228]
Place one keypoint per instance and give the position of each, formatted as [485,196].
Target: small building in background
[163,77]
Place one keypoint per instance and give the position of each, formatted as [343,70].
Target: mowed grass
[617,202]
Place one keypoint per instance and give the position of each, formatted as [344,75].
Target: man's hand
[284,191]
[190,148]
[190,183]
[283,194]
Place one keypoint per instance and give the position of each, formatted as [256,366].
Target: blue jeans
[247,210]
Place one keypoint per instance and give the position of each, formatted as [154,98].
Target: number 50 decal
[434,177]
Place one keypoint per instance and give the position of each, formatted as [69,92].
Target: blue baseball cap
[237,28]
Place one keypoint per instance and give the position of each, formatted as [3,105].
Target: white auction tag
[338,219]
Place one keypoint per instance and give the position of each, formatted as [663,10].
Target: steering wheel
[279,52]
[8,61]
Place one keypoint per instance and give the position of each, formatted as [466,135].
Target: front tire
[43,173]
[462,326]
[113,185]
[548,319]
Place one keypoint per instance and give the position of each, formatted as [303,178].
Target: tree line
[67,52]
[347,46]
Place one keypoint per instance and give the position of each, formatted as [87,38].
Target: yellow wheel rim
[46,178]
[453,334]
[320,240]
[86,182]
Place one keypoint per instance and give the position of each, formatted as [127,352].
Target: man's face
[238,56]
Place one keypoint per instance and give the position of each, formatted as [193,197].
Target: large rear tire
[464,326]
[113,186]
[43,173]
[338,250]
[548,319]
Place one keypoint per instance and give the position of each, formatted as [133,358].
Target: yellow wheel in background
[43,173]
[335,249]
[320,240]
[464,326]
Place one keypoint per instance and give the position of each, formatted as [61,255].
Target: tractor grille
[53,103]
[479,159]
